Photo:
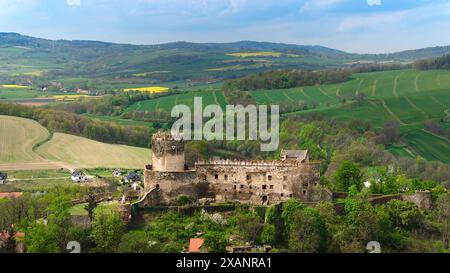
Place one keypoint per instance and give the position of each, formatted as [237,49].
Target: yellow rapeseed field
[263,54]
[34,73]
[13,86]
[256,54]
[150,89]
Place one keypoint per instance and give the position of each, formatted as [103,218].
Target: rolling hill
[18,136]
[85,153]
[65,60]
[20,148]
[410,97]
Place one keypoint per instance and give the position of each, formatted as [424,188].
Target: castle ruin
[259,182]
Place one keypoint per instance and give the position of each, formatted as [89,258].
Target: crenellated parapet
[167,152]
[165,143]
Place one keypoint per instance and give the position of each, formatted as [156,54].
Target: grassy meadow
[85,153]
[19,150]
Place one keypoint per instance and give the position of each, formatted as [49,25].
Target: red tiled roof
[10,194]
[5,235]
[195,244]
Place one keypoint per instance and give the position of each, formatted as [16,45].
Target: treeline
[437,63]
[374,67]
[65,122]
[283,79]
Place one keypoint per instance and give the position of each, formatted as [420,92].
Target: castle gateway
[259,182]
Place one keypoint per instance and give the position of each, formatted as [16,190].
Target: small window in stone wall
[234,187]
[264,187]
[290,195]
[242,186]
[269,178]
[216,176]
[284,178]
[271,187]
[282,194]
[249,177]
[304,192]
[226,177]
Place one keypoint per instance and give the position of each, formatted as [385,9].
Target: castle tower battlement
[167,152]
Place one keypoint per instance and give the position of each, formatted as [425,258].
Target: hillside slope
[86,153]
[18,136]
[21,54]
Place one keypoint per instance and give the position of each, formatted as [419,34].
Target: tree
[215,241]
[307,232]
[404,215]
[347,175]
[107,228]
[390,133]
[91,205]
[443,210]
[42,238]
[288,211]
[269,234]
[249,226]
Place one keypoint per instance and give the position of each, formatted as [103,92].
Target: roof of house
[133,176]
[195,244]
[10,194]
[5,235]
[78,173]
[300,155]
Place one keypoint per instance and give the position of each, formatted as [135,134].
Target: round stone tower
[167,152]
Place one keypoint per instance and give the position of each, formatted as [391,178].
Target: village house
[3,177]
[79,176]
[132,178]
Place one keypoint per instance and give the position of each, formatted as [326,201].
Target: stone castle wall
[262,183]
[167,153]
[245,181]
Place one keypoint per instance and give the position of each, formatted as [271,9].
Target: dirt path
[306,95]
[44,165]
[438,136]
[323,92]
[359,87]
[416,107]
[438,102]
[394,89]
[215,98]
[392,113]
[287,96]
[374,88]
[416,82]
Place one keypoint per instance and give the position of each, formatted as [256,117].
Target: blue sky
[363,26]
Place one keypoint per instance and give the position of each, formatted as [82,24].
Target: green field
[86,153]
[410,97]
[36,180]
[17,139]
[18,149]
[167,103]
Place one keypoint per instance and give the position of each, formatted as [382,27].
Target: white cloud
[372,21]
[374,2]
[73,2]
[313,5]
